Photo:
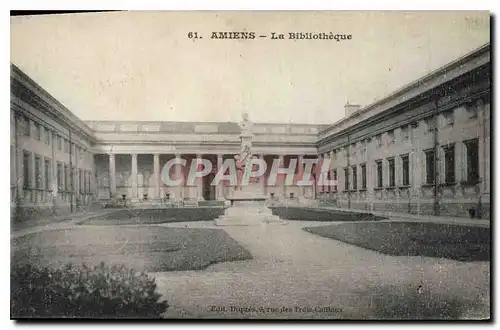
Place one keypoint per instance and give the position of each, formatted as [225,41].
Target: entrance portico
[140,177]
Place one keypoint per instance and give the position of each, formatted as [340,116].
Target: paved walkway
[295,274]
[58,222]
[393,216]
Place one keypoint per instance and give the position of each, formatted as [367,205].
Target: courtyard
[274,271]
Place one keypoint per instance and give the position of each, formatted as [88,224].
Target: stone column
[135,197]
[417,166]
[330,171]
[326,157]
[112,176]
[263,177]
[19,154]
[281,159]
[300,174]
[370,173]
[156,176]
[53,183]
[319,184]
[178,175]
[199,181]
[219,193]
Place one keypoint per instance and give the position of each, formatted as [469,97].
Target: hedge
[84,292]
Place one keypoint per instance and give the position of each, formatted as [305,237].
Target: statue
[245,157]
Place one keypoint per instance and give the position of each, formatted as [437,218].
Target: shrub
[81,291]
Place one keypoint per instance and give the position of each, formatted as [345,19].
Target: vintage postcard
[251,165]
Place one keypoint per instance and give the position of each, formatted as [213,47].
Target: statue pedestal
[248,211]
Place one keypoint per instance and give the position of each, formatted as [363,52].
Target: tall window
[346,178]
[66,178]
[80,181]
[26,126]
[59,142]
[405,132]
[472,160]
[449,163]
[363,176]
[471,111]
[38,132]
[448,117]
[27,169]
[59,176]
[379,174]
[390,135]
[430,122]
[429,166]
[47,136]
[354,177]
[38,172]
[379,140]
[392,173]
[406,170]
[47,173]
[335,179]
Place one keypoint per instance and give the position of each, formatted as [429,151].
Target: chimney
[351,108]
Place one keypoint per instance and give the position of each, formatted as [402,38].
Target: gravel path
[295,274]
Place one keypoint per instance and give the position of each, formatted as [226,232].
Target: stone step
[248,220]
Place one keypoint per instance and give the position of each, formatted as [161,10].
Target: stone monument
[248,206]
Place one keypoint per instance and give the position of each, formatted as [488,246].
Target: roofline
[68,116]
[415,83]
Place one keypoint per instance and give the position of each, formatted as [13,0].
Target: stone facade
[424,149]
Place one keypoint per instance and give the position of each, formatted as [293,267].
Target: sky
[143,65]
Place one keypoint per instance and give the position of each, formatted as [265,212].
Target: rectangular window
[335,179]
[429,166]
[471,111]
[448,117]
[392,172]
[59,142]
[346,179]
[405,132]
[89,177]
[405,159]
[47,173]
[449,163]
[80,180]
[354,177]
[59,176]
[38,172]
[38,132]
[390,135]
[472,160]
[27,169]
[26,126]
[66,145]
[66,178]
[363,176]
[430,123]
[47,136]
[379,140]
[379,174]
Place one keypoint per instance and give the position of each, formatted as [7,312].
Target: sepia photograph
[250,165]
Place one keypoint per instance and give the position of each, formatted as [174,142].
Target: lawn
[315,214]
[150,248]
[154,216]
[463,243]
